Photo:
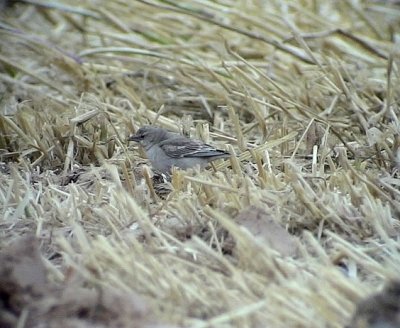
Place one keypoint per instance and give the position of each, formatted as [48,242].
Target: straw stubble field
[294,230]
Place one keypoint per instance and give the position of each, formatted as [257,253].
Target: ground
[298,228]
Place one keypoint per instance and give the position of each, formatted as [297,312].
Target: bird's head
[148,135]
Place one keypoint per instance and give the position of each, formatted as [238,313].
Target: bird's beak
[134,137]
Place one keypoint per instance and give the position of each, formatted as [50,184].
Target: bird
[166,149]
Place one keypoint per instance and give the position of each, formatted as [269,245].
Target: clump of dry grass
[304,96]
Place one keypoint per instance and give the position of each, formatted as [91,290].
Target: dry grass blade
[44,81]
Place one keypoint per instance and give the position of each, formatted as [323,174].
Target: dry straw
[304,96]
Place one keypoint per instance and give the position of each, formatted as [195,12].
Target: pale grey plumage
[166,149]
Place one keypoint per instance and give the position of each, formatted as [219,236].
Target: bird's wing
[181,147]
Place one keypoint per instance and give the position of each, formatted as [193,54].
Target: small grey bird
[166,149]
